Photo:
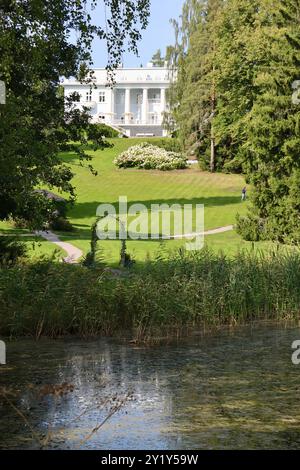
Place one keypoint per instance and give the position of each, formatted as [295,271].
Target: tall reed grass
[162,297]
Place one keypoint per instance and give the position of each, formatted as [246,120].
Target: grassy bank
[164,297]
[220,193]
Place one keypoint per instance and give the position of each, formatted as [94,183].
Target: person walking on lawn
[244,194]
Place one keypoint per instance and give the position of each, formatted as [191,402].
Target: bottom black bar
[135,459]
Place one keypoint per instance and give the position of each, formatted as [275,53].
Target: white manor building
[136,104]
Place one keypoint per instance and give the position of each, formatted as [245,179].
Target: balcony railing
[147,78]
[118,122]
[153,118]
[151,121]
[134,121]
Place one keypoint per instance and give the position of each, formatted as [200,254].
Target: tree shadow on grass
[88,209]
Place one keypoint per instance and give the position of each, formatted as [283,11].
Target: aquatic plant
[101,411]
[170,297]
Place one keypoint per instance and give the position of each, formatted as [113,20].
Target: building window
[101,96]
[88,96]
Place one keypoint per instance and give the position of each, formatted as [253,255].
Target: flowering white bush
[150,157]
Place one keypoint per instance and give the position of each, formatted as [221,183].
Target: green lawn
[37,247]
[220,193]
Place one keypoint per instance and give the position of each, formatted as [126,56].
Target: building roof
[50,195]
[124,76]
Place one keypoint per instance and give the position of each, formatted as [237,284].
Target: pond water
[229,390]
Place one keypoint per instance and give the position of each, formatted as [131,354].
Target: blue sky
[158,35]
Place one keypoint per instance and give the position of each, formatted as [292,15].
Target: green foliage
[165,297]
[125,258]
[157,59]
[53,211]
[102,130]
[241,50]
[167,143]
[193,95]
[61,224]
[37,49]
[237,64]
[270,144]
[90,259]
[251,228]
[11,251]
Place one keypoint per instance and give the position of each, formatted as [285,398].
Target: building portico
[138,99]
[138,106]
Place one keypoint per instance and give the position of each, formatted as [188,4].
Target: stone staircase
[118,129]
[143,131]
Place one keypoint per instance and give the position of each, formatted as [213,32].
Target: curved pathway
[74,254]
[214,231]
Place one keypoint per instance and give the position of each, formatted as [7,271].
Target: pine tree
[196,83]
[273,126]
[157,59]
[241,50]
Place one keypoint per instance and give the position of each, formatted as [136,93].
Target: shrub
[203,164]
[61,225]
[233,166]
[20,223]
[167,143]
[149,157]
[251,228]
[11,251]
[53,206]
[101,130]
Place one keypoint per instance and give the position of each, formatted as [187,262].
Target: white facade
[136,103]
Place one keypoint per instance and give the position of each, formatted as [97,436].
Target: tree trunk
[213,110]
[212,150]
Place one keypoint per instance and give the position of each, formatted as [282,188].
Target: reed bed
[182,294]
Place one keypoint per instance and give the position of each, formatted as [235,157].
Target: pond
[229,390]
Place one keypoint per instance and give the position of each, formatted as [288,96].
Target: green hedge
[104,130]
[167,143]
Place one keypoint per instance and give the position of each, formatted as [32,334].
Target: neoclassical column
[112,106]
[127,106]
[162,103]
[163,99]
[145,106]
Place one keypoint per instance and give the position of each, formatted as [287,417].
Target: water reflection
[229,390]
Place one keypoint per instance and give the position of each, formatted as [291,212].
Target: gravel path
[214,231]
[74,254]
